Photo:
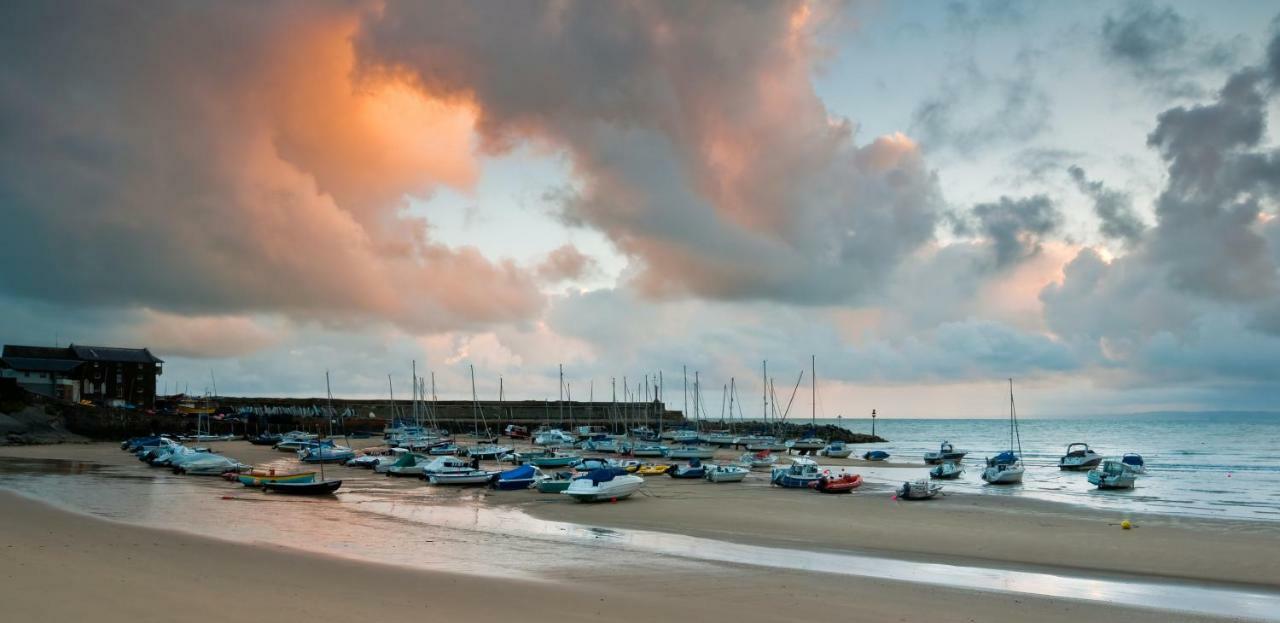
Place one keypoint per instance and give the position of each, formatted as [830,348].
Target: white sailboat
[1006,468]
[810,442]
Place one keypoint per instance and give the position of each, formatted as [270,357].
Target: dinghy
[726,473]
[652,469]
[946,471]
[470,477]
[756,460]
[840,483]
[918,490]
[1079,457]
[324,487]
[1113,474]
[946,452]
[799,475]
[602,485]
[836,450]
[694,469]
[876,455]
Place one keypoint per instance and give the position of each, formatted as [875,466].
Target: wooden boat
[1079,457]
[259,477]
[918,490]
[324,487]
[1113,474]
[840,483]
[946,471]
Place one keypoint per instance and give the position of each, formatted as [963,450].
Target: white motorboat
[1079,457]
[756,460]
[487,451]
[446,465]
[649,449]
[602,485]
[554,437]
[726,473]
[1113,474]
[918,490]
[1006,468]
[946,452]
[469,477]
[720,438]
[948,470]
[837,450]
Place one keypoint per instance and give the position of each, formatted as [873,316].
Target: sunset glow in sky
[928,196]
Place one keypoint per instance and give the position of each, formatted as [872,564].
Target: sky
[927,198]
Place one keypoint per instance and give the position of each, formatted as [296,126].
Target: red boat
[844,483]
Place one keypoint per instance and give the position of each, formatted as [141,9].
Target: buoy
[1125,524]
[613,500]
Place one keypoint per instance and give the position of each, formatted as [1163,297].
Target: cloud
[699,146]
[1162,48]
[973,110]
[1014,227]
[223,160]
[1114,208]
[202,337]
[566,263]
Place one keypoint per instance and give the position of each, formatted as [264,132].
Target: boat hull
[249,480]
[838,484]
[619,488]
[480,478]
[1007,476]
[324,487]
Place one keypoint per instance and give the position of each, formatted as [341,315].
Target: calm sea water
[1205,464]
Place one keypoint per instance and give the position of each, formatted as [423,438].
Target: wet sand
[60,566]
[960,529]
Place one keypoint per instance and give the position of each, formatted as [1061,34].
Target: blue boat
[800,474]
[515,479]
[1135,462]
[695,469]
[876,455]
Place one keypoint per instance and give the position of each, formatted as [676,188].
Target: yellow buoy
[1125,524]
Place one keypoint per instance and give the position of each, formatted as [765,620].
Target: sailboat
[1006,468]
[315,487]
[487,450]
[810,442]
[690,449]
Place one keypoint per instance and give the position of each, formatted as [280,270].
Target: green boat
[554,459]
[555,484]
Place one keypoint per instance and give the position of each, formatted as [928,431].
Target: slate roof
[30,364]
[111,353]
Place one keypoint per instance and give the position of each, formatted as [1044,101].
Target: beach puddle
[404,522]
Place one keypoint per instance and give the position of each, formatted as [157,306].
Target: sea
[1198,464]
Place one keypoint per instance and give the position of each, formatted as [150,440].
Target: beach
[138,572]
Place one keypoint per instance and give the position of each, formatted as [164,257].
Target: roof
[32,364]
[38,352]
[111,353]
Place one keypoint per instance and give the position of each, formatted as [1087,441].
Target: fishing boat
[516,479]
[652,469]
[726,473]
[756,460]
[836,450]
[259,477]
[691,452]
[603,484]
[694,469]
[949,470]
[1113,474]
[323,487]
[798,475]
[1079,457]
[918,490]
[1135,462]
[556,483]
[469,477]
[876,455]
[946,452]
[839,483]
[1006,468]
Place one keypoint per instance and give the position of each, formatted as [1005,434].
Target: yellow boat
[258,477]
[650,469]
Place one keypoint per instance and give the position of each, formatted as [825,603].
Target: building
[106,375]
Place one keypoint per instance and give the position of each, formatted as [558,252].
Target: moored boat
[918,490]
[836,450]
[1113,474]
[691,452]
[839,483]
[516,479]
[1006,468]
[694,469]
[946,452]
[756,460]
[470,477]
[556,483]
[798,475]
[949,470]
[603,484]
[726,473]
[323,487]
[1135,462]
[1079,457]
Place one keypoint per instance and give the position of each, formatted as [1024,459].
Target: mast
[813,401]
[697,402]
[561,394]
[417,417]
[764,391]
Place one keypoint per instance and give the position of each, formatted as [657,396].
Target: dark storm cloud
[1114,208]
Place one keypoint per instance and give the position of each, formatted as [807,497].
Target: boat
[836,450]
[1135,462]
[516,432]
[918,490]
[323,487]
[469,477]
[325,452]
[407,464]
[839,483]
[259,477]
[1006,468]
[652,469]
[726,473]
[1113,474]
[810,442]
[649,450]
[556,483]
[684,435]
[443,449]
[946,452]
[691,452]
[798,475]
[365,461]
[721,437]
[207,464]
[554,459]
[755,460]
[446,465]
[1079,457]
[553,437]
[515,479]
[694,469]
[948,470]
[603,484]
[876,455]
[265,439]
